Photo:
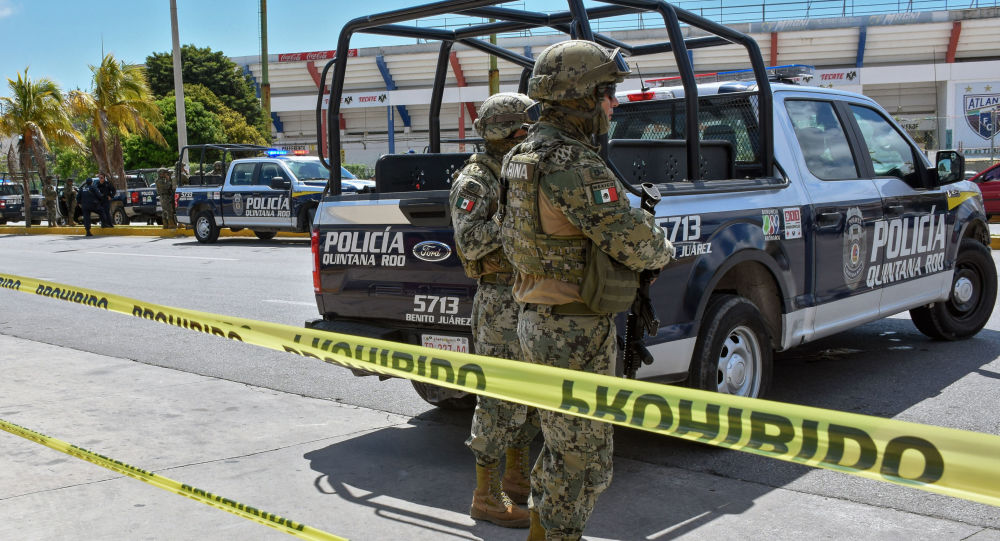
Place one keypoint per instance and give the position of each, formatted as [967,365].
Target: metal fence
[740,11]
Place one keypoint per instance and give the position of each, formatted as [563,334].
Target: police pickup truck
[12,203]
[266,195]
[794,212]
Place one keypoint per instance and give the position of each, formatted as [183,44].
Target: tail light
[641,96]
[135,197]
[314,241]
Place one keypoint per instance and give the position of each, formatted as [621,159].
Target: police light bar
[272,152]
[300,152]
[789,73]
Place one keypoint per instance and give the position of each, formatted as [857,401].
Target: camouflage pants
[575,464]
[70,208]
[498,424]
[167,203]
[51,210]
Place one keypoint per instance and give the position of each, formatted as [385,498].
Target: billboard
[977,111]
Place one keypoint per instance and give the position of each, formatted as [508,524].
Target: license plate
[448,343]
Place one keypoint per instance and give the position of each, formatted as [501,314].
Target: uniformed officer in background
[181,174]
[51,197]
[500,429]
[165,191]
[69,197]
[218,169]
[567,222]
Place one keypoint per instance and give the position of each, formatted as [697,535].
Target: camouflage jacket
[568,199]
[474,198]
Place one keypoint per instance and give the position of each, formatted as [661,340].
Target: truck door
[912,237]
[845,206]
[273,204]
[241,198]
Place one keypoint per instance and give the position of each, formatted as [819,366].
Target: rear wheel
[443,398]
[118,216]
[205,229]
[264,235]
[970,303]
[733,352]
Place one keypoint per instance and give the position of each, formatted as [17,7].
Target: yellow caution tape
[943,460]
[258,515]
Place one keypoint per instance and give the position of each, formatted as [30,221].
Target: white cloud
[6,9]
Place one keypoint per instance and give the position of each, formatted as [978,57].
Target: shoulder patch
[466,201]
[605,192]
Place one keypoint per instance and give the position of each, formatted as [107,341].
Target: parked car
[989,183]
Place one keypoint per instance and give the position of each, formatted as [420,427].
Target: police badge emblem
[855,248]
[238,205]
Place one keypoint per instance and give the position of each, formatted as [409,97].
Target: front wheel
[264,235]
[205,229]
[970,303]
[444,398]
[733,352]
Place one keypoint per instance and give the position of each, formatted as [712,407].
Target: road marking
[290,302]
[172,256]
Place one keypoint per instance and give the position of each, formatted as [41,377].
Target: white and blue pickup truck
[266,195]
[795,213]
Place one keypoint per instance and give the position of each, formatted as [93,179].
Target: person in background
[90,201]
[106,191]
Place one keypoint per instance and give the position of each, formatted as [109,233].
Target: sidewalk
[356,473]
[129,230]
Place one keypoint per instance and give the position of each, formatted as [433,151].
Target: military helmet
[163,171]
[572,69]
[217,165]
[501,115]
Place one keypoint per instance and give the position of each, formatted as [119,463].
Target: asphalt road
[885,368]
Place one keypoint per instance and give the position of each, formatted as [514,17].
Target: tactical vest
[529,249]
[487,174]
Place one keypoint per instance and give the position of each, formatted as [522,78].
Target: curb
[134,231]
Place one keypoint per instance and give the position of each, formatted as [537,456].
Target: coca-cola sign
[314,55]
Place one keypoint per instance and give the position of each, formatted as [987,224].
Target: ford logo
[431,250]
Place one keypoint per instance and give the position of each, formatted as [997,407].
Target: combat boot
[490,503]
[516,483]
[536,532]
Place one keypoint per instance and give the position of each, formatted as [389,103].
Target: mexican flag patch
[606,195]
[466,204]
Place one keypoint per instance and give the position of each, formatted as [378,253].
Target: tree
[215,71]
[202,127]
[121,104]
[233,124]
[72,162]
[34,112]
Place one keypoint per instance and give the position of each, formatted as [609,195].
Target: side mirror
[950,167]
[280,183]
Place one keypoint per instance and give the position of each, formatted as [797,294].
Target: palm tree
[35,114]
[121,103]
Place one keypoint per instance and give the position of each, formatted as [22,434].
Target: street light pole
[178,81]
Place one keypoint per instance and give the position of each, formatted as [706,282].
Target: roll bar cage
[575,22]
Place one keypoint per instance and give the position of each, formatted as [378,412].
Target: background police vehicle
[795,213]
[266,194]
[12,202]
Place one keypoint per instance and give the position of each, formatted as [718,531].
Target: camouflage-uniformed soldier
[51,196]
[69,196]
[218,170]
[500,429]
[566,213]
[181,174]
[165,191]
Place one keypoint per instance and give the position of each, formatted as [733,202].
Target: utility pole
[265,84]
[494,72]
[182,136]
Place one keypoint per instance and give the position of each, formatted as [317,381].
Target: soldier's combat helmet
[163,171]
[573,69]
[501,115]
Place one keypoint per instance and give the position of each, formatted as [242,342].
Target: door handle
[829,220]
[894,210]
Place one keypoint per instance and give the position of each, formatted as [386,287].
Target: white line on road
[173,256]
[290,302]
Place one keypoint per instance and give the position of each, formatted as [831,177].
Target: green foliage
[215,71]
[203,126]
[360,170]
[233,124]
[71,162]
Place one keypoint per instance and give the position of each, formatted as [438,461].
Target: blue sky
[60,38]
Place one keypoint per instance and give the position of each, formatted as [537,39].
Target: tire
[36,222]
[970,303]
[444,398]
[733,353]
[118,216]
[264,235]
[205,228]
